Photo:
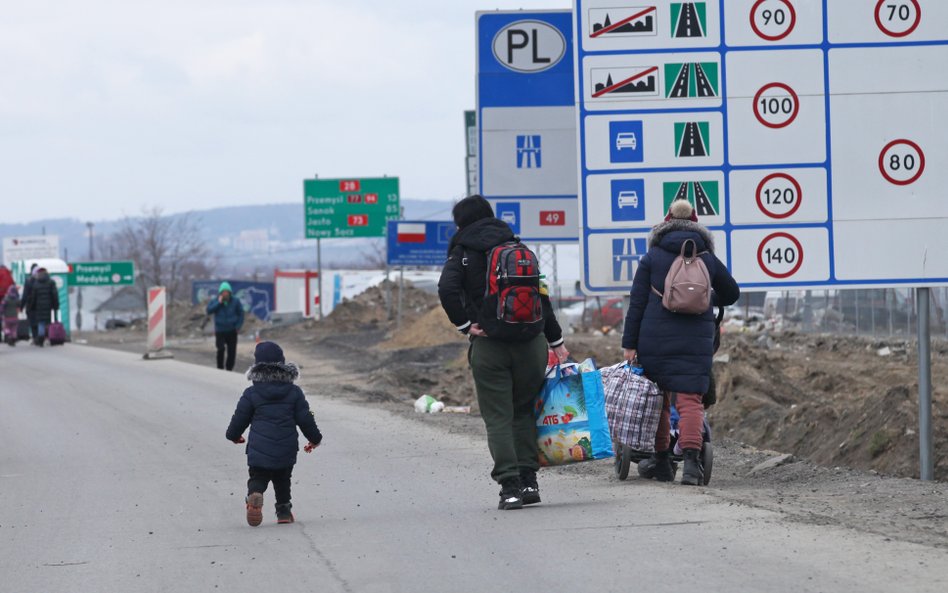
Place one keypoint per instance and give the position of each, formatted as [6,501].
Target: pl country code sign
[807,133]
[352,207]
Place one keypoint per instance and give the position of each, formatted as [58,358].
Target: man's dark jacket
[273,407]
[463,280]
[43,297]
[675,349]
[228,316]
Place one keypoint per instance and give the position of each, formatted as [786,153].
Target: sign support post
[926,458]
[319,276]
[401,289]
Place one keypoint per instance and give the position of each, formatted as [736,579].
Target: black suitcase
[23,329]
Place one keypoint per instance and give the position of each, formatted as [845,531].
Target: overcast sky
[109,105]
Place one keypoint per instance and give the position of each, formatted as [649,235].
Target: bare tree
[375,255]
[167,250]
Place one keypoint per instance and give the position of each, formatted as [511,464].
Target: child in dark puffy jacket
[272,407]
[9,307]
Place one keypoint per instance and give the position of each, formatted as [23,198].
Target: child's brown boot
[254,509]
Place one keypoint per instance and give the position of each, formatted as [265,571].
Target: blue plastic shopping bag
[571,417]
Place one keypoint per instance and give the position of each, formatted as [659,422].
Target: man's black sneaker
[531,490]
[510,494]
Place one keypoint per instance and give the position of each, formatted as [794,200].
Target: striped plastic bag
[633,406]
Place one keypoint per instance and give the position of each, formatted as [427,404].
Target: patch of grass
[879,442]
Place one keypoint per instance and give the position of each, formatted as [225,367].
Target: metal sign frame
[758,136]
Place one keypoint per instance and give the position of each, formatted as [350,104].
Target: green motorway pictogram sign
[703,195]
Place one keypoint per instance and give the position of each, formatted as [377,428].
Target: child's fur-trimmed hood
[273,372]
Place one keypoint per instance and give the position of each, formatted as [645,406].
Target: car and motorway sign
[114,273]
[803,131]
[350,207]
[526,115]
[419,242]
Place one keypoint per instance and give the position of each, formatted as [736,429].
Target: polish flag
[410,232]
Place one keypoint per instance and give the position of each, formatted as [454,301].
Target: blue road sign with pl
[628,199]
[626,142]
[526,119]
[418,242]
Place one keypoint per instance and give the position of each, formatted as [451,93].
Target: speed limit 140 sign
[805,132]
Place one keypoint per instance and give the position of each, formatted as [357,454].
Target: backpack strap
[695,254]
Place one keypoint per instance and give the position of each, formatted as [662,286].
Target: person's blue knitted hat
[268,352]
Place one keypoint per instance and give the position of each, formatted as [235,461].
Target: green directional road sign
[703,195]
[107,273]
[340,208]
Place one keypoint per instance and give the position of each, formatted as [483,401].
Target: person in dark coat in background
[272,407]
[675,349]
[228,319]
[43,301]
[508,375]
[9,307]
[25,300]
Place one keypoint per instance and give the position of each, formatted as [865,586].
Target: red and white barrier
[157,314]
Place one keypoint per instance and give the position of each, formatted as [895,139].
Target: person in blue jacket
[228,319]
[272,407]
[676,349]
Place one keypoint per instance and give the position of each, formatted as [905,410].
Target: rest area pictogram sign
[807,133]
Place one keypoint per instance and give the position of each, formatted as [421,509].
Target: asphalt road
[115,476]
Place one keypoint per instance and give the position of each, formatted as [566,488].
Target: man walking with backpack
[490,289]
[670,328]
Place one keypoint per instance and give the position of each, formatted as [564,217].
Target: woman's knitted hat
[683,210]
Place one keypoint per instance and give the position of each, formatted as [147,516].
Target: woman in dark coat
[675,349]
[43,300]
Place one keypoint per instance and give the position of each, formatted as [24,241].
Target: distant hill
[244,238]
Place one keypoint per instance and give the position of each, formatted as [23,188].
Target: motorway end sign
[353,207]
[101,273]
